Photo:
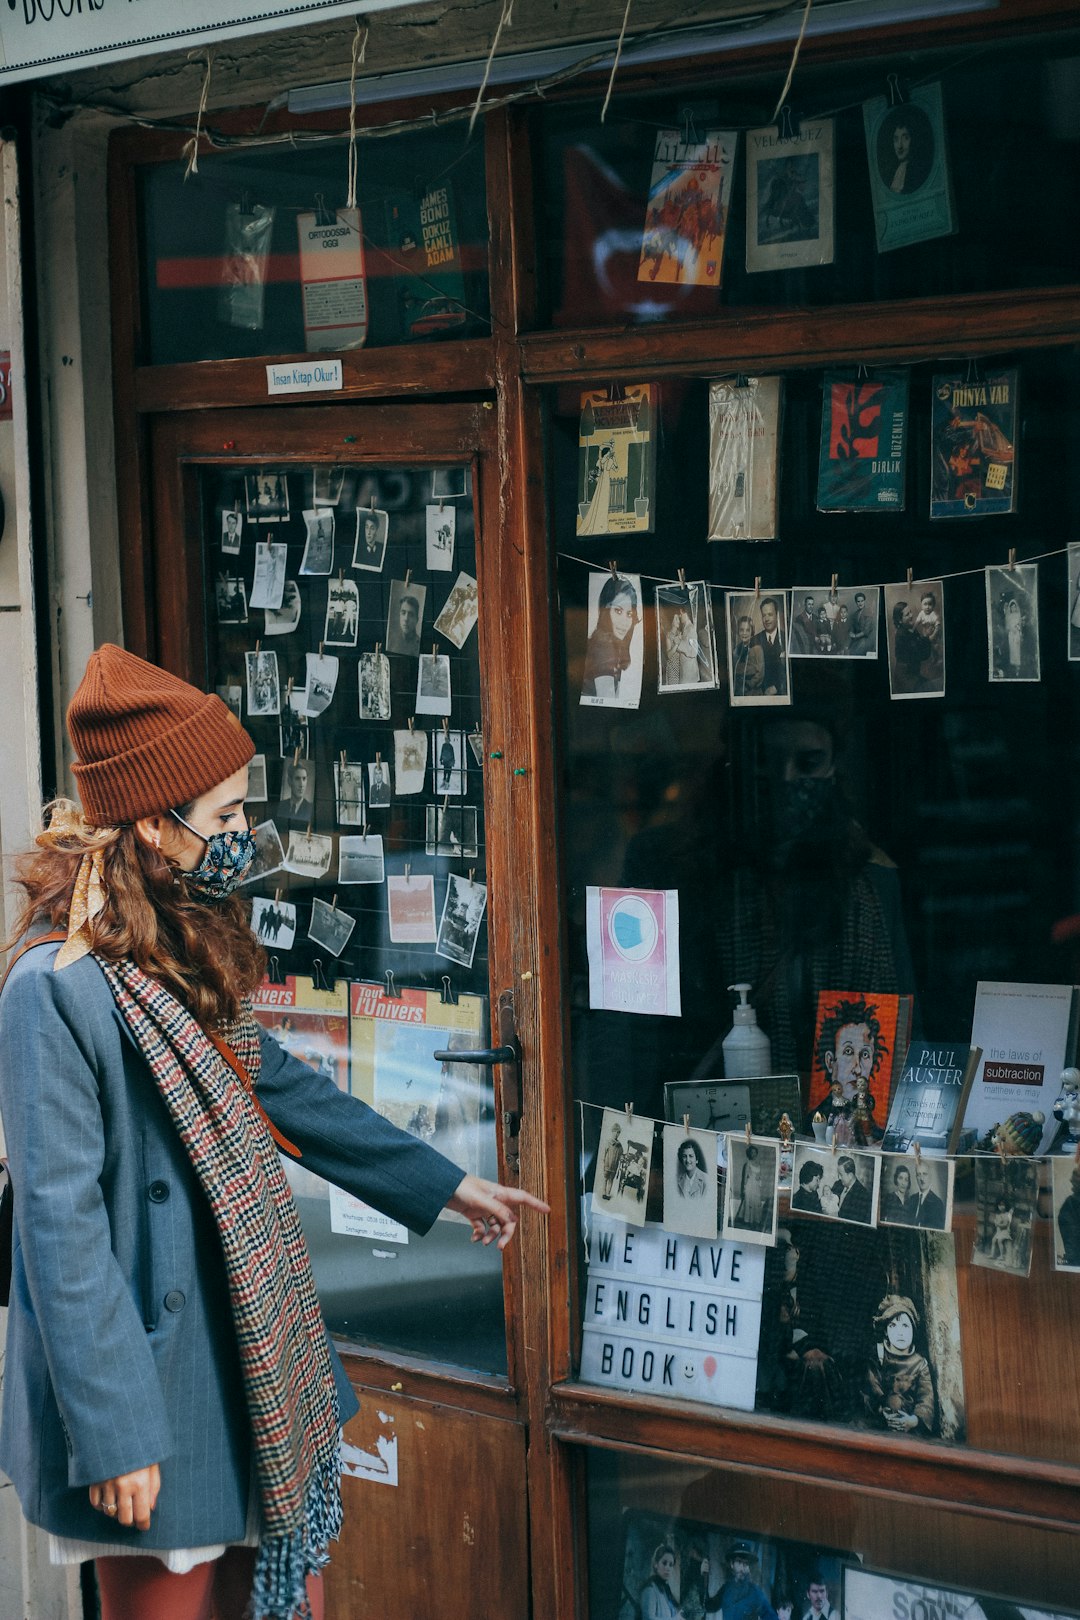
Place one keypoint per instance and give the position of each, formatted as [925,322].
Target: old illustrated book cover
[973,444]
[425,256]
[863,442]
[860,1040]
[1027,1033]
[928,1103]
[910,183]
[789,196]
[686,220]
[616,460]
[744,455]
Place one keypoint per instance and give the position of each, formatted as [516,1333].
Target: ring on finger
[108,1507]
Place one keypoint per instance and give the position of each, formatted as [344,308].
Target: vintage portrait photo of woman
[750,1188]
[615,650]
[685,638]
[690,1184]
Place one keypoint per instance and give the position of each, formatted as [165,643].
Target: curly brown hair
[204,953]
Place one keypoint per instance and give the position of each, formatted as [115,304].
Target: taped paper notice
[354,1218]
[334,284]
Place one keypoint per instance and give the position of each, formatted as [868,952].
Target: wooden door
[435,1462]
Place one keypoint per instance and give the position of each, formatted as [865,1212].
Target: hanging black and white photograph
[1006,1204]
[448,771]
[266,497]
[841,622]
[330,927]
[476,747]
[623,1162]
[263,688]
[685,638]
[615,649]
[433,694]
[915,638]
[916,1190]
[450,829]
[440,526]
[269,853]
[283,620]
[758,649]
[296,806]
[839,1184]
[318,555]
[410,761]
[405,618]
[462,918]
[1065,1222]
[274,923]
[373,676]
[459,612]
[1073,564]
[360,859]
[231,599]
[369,547]
[308,854]
[449,483]
[294,735]
[691,1187]
[268,586]
[321,682]
[342,613]
[327,484]
[1012,622]
[349,792]
[380,790]
[232,528]
[256,784]
[410,908]
[753,1168]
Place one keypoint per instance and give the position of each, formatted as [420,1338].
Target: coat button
[175,1300]
[158,1191]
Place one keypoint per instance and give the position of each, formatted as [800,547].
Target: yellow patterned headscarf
[89,896]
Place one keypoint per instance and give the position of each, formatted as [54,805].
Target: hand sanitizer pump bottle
[746,1046]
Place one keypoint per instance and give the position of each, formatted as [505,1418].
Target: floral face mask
[225,864]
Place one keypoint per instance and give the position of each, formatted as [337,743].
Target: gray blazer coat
[120,1345]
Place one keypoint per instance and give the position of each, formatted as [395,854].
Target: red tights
[143,1589]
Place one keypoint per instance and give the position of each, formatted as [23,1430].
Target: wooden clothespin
[472,873]
[333,903]
[757,587]
[408,576]
[916,1148]
[434,649]
[748,1133]
[363,830]
[629,1108]
[682,577]
[412,722]
[378,759]
[408,871]
[258,648]
[277,897]
[832,588]
[614,569]
[343,756]
[378,648]
[1012,559]
[296,755]
[909,579]
[289,687]
[686,1123]
[446,801]
[322,644]
[341,576]
[446,723]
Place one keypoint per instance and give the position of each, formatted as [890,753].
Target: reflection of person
[690,1177]
[123,1047]
[771,641]
[854,1198]
[657,1600]
[899,1391]
[748,661]
[898,1205]
[929,1209]
[609,652]
[739,1598]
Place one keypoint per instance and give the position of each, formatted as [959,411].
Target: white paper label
[303,377]
[354,1218]
[333,283]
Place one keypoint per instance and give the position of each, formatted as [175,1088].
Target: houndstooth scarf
[289,1382]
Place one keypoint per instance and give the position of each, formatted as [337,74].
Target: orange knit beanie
[147,741]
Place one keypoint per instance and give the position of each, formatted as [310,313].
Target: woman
[172,1405]
[681,651]
[609,652]
[898,1206]
[752,1212]
[657,1601]
[690,1177]
[748,661]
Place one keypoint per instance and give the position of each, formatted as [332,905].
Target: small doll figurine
[838,1110]
[898,1390]
[867,1131]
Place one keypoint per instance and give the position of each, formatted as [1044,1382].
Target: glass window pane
[226,254]
[341,628]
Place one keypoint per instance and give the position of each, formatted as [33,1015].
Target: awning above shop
[39,37]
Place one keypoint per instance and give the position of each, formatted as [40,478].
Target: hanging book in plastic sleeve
[910,183]
[973,448]
[744,453]
[686,220]
[617,460]
[425,250]
[333,280]
[863,442]
[789,196]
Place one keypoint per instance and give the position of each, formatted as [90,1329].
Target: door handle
[506,1057]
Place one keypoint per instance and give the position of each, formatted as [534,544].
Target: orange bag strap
[58,934]
[245,1080]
